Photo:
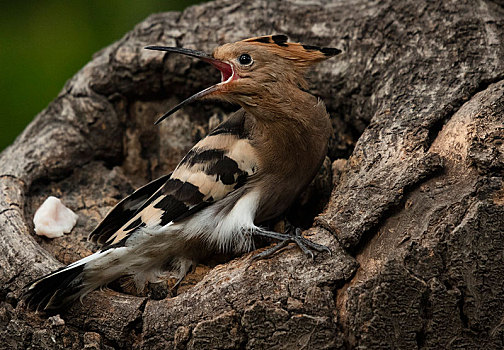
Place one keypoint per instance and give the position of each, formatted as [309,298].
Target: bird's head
[252,67]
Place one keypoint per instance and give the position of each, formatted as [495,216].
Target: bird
[244,173]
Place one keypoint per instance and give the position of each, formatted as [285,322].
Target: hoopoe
[247,171]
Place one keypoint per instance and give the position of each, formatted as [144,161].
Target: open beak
[226,69]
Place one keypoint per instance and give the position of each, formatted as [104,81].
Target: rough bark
[414,220]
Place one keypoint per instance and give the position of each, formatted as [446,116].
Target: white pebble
[53,219]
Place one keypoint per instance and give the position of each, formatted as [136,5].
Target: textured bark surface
[415,216]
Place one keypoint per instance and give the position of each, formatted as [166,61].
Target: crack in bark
[135,326]
[425,312]
[460,304]
[14,177]
[393,209]
[11,209]
[436,127]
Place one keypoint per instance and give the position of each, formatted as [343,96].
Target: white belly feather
[226,231]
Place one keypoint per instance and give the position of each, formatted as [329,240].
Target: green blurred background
[44,43]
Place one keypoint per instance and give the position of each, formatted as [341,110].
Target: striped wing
[213,168]
[125,210]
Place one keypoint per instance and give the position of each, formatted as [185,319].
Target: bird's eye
[245,59]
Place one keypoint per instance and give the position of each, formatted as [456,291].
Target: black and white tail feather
[56,289]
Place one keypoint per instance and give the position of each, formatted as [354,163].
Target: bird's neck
[281,104]
[290,122]
[289,110]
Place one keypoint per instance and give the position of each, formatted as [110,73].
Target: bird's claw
[270,251]
[291,235]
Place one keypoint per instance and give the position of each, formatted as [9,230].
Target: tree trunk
[415,219]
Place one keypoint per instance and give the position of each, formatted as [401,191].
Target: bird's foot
[292,234]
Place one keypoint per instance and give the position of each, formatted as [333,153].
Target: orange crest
[303,55]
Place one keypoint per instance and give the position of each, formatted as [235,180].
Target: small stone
[53,219]
[56,321]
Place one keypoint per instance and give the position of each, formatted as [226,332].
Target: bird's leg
[186,265]
[292,234]
[177,283]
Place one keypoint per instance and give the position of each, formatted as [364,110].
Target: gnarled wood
[415,218]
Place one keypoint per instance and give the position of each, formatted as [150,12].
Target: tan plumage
[245,172]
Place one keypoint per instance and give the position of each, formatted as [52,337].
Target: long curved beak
[226,69]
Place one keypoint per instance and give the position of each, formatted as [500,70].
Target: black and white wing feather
[212,169]
[125,210]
